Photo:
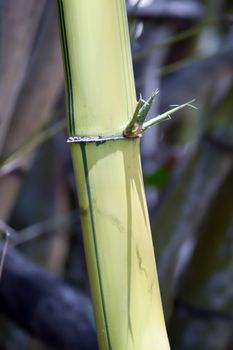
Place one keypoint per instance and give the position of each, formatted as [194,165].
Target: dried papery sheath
[78,139]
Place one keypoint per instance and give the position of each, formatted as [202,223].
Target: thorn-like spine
[137,124]
[166,115]
[134,128]
[144,110]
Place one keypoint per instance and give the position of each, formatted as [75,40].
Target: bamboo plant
[105,124]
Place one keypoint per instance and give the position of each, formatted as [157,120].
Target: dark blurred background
[185,49]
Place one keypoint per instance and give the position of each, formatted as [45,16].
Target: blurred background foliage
[185,49]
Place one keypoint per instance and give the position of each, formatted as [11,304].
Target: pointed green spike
[130,127]
[144,110]
[166,115]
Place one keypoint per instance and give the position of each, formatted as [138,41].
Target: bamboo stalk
[101,101]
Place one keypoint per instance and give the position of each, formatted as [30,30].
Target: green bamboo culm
[101,102]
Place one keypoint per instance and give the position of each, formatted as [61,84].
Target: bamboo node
[98,139]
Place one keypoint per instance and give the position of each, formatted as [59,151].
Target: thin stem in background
[7,232]
[186,34]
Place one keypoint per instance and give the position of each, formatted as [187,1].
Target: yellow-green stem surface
[116,230]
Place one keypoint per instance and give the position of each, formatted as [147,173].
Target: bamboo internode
[101,101]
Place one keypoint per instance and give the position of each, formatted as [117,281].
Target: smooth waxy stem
[116,230]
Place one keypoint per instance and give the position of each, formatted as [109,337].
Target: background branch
[44,306]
